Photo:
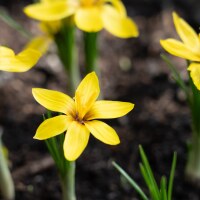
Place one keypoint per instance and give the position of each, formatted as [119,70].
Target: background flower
[89,15]
[21,62]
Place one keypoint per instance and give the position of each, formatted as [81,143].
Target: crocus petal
[118,5]
[108,110]
[87,93]
[186,33]
[76,140]
[49,11]
[22,62]
[103,132]
[5,52]
[194,69]
[54,100]
[122,27]
[177,48]
[89,19]
[52,127]
[40,43]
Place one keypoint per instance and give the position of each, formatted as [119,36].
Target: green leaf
[171,177]
[130,180]
[150,186]
[163,188]
[55,149]
[91,51]
[4,16]
[176,75]
[152,183]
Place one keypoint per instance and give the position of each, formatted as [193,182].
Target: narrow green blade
[163,188]
[148,182]
[4,16]
[175,74]
[130,180]
[171,177]
[151,178]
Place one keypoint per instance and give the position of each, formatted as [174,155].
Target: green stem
[65,41]
[66,169]
[91,52]
[6,183]
[193,163]
[68,182]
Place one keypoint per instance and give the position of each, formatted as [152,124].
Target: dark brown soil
[131,70]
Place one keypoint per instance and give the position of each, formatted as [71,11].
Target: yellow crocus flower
[21,62]
[89,15]
[80,116]
[188,49]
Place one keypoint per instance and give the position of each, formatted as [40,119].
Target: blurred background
[131,70]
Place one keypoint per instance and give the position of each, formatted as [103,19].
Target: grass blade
[171,177]
[131,181]
[149,172]
[163,188]
[148,182]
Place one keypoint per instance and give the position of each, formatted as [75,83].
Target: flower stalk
[68,182]
[193,164]
[66,169]
[65,41]
[91,51]
[7,188]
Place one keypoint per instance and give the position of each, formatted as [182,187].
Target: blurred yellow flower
[188,49]
[21,62]
[79,116]
[42,42]
[89,15]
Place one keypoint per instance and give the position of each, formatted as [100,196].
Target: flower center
[78,119]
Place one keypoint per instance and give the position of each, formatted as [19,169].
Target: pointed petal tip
[174,14]
[132,105]
[116,142]
[175,17]
[92,74]
[35,137]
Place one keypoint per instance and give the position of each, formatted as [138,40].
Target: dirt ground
[131,70]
